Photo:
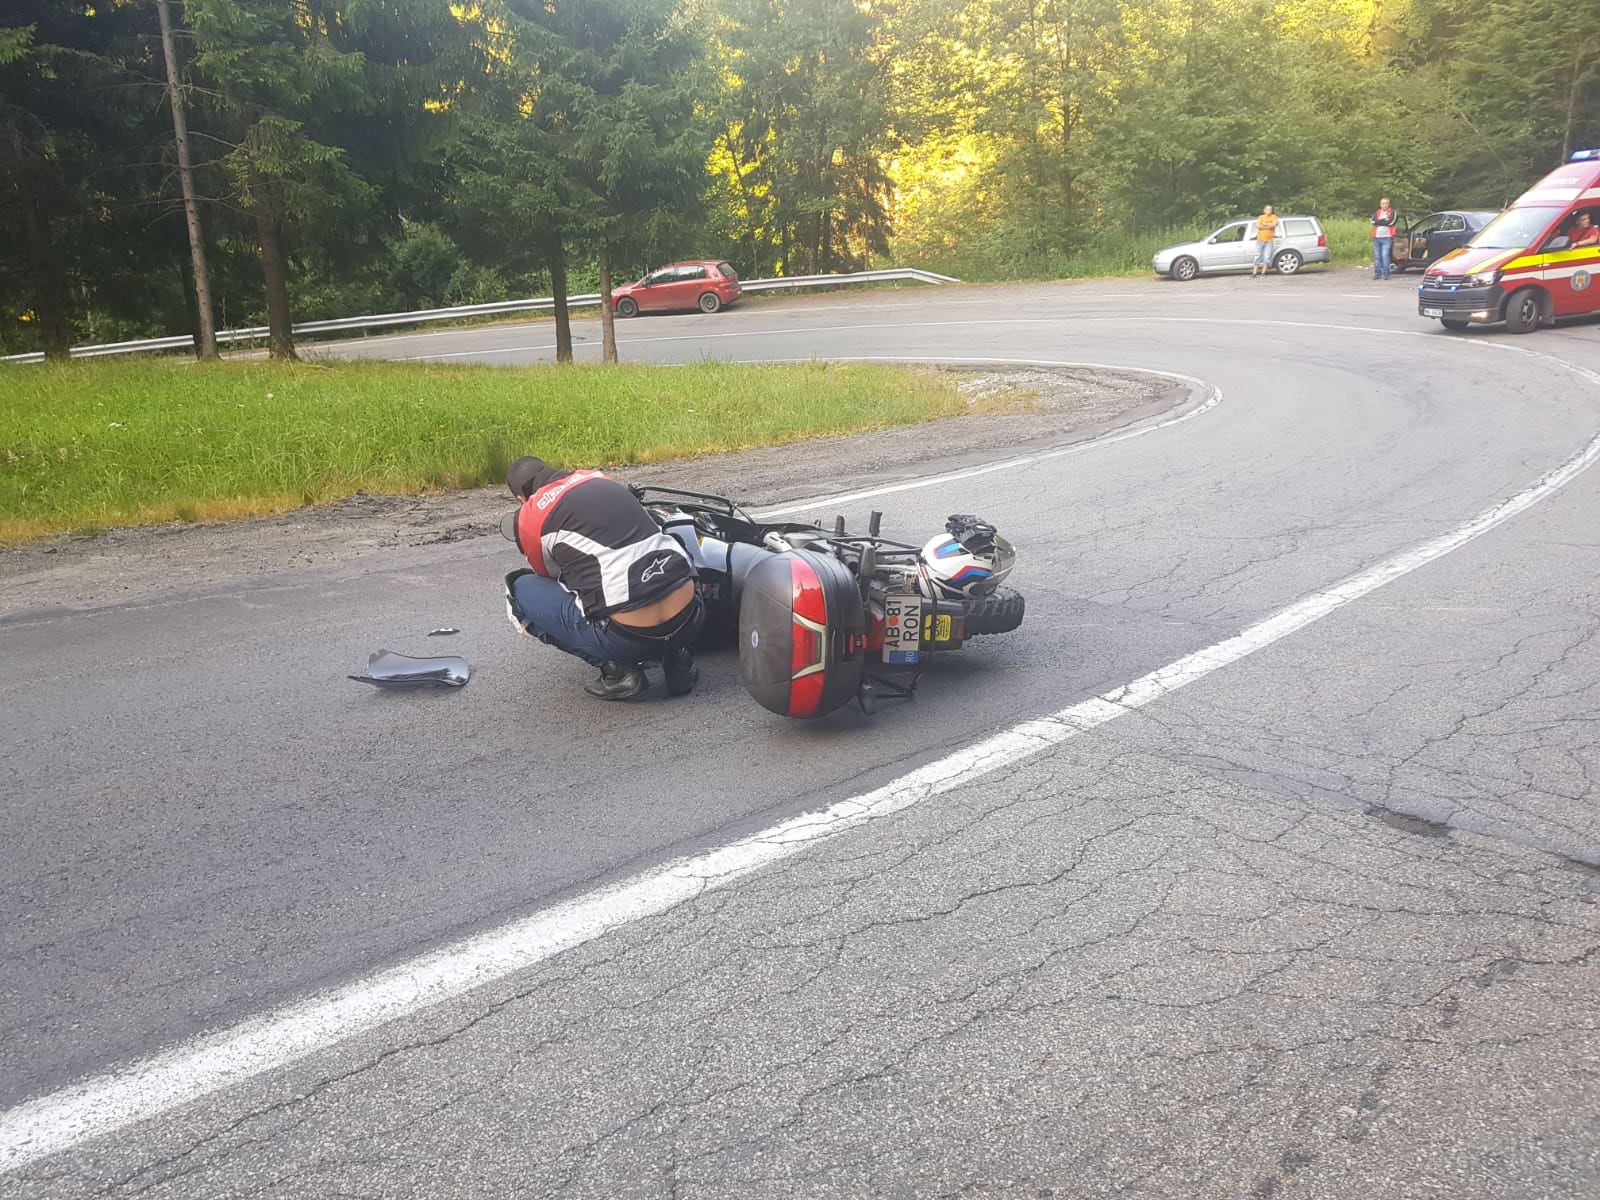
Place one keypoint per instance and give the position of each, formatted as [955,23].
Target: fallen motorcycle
[826,616]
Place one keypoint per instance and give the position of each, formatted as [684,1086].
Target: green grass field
[88,445]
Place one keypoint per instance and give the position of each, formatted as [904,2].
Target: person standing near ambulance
[1383,223]
[606,584]
[1266,235]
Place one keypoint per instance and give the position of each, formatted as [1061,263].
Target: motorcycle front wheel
[997,613]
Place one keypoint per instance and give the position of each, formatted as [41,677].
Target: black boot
[681,673]
[617,682]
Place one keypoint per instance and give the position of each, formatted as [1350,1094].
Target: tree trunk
[1579,78]
[608,320]
[750,206]
[49,274]
[206,331]
[280,335]
[557,257]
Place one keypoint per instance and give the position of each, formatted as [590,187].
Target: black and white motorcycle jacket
[593,537]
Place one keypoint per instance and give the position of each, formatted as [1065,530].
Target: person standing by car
[1383,222]
[606,585]
[1266,236]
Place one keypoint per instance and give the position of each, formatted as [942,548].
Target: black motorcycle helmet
[529,474]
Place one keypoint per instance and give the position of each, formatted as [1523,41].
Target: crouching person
[606,584]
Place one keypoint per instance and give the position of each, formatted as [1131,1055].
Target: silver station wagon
[1300,240]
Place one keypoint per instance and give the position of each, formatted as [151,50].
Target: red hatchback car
[704,285]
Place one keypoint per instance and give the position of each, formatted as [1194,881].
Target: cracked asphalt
[1323,924]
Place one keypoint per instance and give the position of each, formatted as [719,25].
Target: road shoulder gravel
[1010,409]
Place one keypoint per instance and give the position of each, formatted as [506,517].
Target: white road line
[738,333]
[1212,393]
[806,304]
[818,304]
[586,318]
[796,330]
[106,1103]
[1067,294]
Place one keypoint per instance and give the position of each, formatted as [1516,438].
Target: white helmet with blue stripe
[956,569]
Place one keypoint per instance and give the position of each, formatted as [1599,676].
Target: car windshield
[1513,229]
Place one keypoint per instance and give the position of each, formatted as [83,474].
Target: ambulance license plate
[1433,312]
[902,629]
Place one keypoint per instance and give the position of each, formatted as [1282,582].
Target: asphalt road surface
[1316,916]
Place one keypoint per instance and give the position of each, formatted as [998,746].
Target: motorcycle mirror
[869,554]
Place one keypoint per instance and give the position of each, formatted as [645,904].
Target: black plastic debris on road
[443,631]
[386,669]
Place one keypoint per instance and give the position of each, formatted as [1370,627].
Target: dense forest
[169,163]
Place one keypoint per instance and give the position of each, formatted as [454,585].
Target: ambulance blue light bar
[1585,156]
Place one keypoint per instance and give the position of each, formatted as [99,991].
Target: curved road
[1322,923]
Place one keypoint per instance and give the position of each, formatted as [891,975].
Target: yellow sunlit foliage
[495,37]
[1354,26]
[942,188]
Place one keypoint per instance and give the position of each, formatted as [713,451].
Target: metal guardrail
[426,315]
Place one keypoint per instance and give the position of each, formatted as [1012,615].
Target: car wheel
[627,307]
[1522,311]
[1184,269]
[1455,323]
[1287,263]
[710,302]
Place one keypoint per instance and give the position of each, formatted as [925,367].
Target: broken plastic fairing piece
[387,669]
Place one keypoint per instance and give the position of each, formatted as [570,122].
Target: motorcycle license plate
[902,629]
[1433,312]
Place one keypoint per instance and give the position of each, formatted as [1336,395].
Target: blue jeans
[1382,257]
[1264,253]
[549,612]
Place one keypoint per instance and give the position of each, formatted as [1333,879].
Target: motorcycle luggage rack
[709,501]
[697,504]
[866,539]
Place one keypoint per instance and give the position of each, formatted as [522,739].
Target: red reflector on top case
[808,601]
[805,695]
[808,644]
[807,649]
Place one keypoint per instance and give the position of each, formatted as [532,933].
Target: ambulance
[1536,262]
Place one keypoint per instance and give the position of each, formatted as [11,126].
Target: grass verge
[88,445]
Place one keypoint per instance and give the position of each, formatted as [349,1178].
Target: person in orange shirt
[1584,232]
[1266,235]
